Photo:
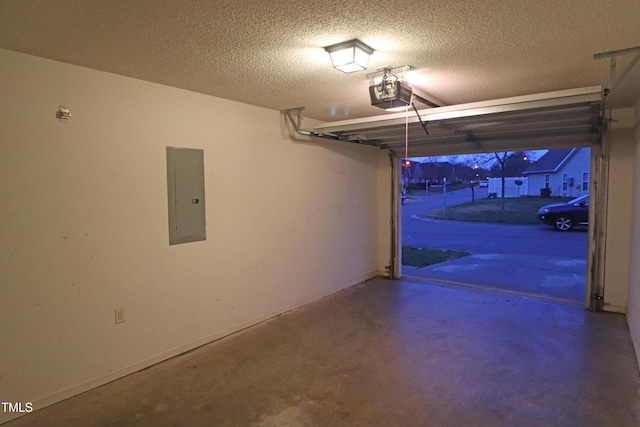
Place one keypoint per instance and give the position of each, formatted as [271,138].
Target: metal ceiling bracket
[399,72]
[297,125]
[613,56]
[298,122]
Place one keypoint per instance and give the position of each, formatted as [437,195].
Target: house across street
[563,173]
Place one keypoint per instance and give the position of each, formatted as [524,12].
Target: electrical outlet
[120,315]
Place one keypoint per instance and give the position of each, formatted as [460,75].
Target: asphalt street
[530,260]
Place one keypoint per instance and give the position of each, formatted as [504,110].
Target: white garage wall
[633,315]
[618,240]
[84,224]
[619,212]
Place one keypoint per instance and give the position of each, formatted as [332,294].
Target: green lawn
[521,210]
[421,257]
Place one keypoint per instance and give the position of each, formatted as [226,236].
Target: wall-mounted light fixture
[350,56]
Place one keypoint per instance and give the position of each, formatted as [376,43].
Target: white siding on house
[536,182]
[575,168]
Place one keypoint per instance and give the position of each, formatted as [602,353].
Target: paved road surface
[494,238]
[530,259]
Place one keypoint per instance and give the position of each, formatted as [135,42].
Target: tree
[502,158]
[477,165]
[466,173]
[430,159]
[517,163]
[508,163]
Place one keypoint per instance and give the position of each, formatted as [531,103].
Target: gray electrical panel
[185,188]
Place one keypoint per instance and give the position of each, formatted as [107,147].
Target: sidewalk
[561,278]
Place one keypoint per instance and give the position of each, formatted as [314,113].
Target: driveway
[530,260]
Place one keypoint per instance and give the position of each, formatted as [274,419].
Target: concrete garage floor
[387,353]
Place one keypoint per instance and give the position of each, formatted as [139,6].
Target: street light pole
[444,194]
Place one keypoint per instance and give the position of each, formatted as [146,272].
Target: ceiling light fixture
[350,56]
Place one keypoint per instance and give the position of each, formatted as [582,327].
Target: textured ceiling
[270,53]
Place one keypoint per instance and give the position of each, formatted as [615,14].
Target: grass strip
[422,257]
[520,210]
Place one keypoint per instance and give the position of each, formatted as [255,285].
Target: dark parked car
[565,216]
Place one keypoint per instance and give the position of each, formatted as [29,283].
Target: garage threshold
[489,289]
[557,278]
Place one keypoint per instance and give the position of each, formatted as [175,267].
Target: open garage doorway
[553,120]
[460,225]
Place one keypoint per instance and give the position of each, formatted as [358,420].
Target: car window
[577,200]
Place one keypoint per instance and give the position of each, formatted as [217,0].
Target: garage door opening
[456,228]
[553,120]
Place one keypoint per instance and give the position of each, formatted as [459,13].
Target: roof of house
[551,161]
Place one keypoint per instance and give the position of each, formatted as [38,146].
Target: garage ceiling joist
[567,118]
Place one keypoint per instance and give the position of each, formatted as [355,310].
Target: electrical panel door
[185,185]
